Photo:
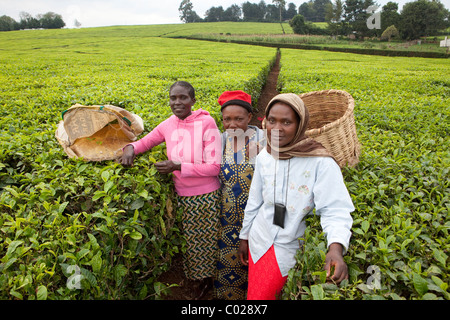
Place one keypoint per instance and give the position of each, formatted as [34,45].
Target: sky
[96,13]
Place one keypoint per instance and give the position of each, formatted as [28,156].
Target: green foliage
[300,26]
[423,18]
[187,14]
[316,38]
[400,243]
[62,215]
[49,20]
[389,33]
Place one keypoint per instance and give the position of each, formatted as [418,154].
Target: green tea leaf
[13,246]
[440,256]
[317,292]
[96,262]
[365,225]
[119,272]
[108,186]
[420,284]
[41,293]
[136,235]
[105,176]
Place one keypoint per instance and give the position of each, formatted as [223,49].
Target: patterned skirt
[200,228]
[231,278]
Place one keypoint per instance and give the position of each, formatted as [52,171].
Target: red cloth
[237,97]
[264,278]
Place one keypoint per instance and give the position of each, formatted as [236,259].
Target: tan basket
[332,123]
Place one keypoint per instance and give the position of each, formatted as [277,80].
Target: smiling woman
[290,181]
[281,124]
[187,135]
[182,98]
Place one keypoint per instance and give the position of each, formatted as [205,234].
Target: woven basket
[331,122]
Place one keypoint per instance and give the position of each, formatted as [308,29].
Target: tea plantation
[71,229]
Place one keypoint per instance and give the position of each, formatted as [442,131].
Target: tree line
[49,20]
[417,18]
[247,11]
[344,17]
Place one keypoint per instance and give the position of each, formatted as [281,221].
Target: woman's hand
[167,166]
[334,259]
[243,252]
[127,157]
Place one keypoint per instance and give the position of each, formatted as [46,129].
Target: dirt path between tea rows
[175,274]
[268,92]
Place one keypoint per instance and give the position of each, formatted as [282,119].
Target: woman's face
[235,117]
[282,123]
[181,102]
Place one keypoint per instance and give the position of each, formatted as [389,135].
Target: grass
[324,41]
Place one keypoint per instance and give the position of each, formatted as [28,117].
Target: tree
[298,24]
[333,15]
[232,13]
[27,21]
[8,24]
[51,20]
[422,18]
[262,7]
[214,14]
[389,33]
[187,14]
[307,10]
[291,11]
[320,9]
[314,10]
[282,6]
[272,13]
[253,11]
[355,16]
[390,15]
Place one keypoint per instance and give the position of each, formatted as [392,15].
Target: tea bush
[400,188]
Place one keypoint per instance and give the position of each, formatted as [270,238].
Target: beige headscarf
[301,145]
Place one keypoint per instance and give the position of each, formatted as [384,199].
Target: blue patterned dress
[236,175]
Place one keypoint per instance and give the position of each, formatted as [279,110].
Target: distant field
[243,31]
[324,41]
[183,30]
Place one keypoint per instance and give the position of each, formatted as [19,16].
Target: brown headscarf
[301,145]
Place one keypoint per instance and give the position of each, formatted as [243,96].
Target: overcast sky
[95,13]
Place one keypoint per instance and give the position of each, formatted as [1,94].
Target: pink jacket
[196,143]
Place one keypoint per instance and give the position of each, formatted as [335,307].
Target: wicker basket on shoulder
[332,123]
